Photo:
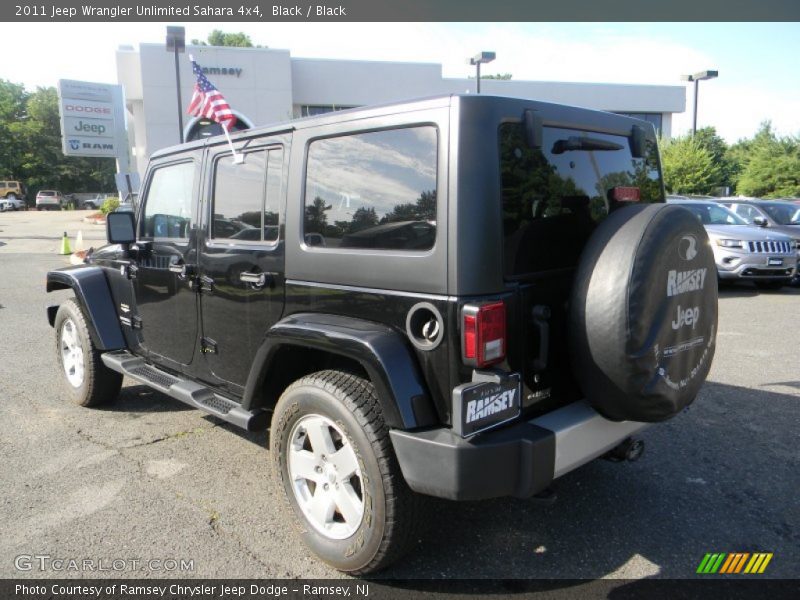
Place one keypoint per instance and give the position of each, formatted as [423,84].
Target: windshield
[783,214]
[713,214]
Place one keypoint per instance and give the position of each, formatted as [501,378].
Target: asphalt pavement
[149,479]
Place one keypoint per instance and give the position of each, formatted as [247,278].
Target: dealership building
[265,85]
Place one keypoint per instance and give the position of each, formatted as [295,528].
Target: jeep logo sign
[89,127]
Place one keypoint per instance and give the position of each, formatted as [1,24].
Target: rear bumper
[520,460]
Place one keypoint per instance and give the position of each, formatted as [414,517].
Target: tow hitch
[630,450]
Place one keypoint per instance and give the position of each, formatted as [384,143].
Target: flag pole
[238,159]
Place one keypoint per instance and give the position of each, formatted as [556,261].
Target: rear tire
[87,380]
[326,425]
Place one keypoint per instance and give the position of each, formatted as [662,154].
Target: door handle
[258,280]
[182,270]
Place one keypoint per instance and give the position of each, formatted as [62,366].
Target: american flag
[208,101]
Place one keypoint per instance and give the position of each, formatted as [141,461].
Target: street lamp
[176,42]
[697,78]
[478,60]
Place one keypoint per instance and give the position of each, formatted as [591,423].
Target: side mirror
[120,228]
[760,221]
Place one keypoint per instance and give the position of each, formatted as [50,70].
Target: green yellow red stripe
[726,563]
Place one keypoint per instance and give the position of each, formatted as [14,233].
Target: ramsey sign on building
[92,119]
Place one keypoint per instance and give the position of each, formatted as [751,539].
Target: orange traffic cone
[79,241]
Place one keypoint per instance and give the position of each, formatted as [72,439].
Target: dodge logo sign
[74,144]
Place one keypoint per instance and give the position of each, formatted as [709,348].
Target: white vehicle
[743,251]
[12,203]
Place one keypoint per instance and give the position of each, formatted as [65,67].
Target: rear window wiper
[583,143]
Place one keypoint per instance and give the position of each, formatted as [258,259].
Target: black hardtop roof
[363,112]
[674,200]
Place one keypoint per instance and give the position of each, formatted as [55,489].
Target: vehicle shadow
[143,399]
[721,477]
[748,289]
[137,400]
[259,438]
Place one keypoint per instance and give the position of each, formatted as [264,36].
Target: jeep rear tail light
[483,339]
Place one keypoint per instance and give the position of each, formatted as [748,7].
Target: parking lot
[152,480]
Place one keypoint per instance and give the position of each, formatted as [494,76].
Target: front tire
[87,380]
[332,454]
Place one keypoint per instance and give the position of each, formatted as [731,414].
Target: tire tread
[102,385]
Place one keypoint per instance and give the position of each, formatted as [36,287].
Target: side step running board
[189,392]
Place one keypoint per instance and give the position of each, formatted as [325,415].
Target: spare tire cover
[643,313]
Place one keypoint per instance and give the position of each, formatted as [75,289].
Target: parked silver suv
[743,251]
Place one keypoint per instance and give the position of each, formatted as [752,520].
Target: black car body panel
[316,249]
[91,289]
[381,351]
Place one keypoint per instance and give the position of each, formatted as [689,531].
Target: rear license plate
[774,262]
[481,406]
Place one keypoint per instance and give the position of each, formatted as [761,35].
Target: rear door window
[247,197]
[554,196]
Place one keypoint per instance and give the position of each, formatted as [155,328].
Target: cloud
[597,52]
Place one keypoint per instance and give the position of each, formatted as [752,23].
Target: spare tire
[643,313]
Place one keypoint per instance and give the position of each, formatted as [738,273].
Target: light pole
[477,60]
[176,42]
[697,78]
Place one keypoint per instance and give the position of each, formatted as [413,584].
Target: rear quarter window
[372,190]
[553,197]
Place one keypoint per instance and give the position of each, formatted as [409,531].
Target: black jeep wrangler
[464,297]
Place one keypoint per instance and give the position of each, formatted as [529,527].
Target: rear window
[554,196]
[46,193]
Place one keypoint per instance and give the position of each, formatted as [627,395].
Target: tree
[688,167]
[220,38]
[316,221]
[707,138]
[363,218]
[13,99]
[31,149]
[773,169]
[740,153]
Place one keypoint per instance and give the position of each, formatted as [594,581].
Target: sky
[758,79]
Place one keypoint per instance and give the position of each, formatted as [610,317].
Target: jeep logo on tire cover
[687,247]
